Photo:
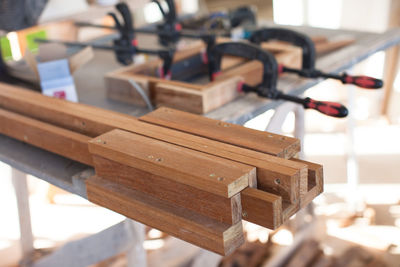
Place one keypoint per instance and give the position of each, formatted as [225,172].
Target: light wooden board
[227,210]
[48,137]
[277,145]
[206,172]
[179,222]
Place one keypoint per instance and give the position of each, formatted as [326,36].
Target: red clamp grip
[362,81]
[328,108]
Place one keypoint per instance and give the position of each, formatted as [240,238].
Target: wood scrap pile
[189,176]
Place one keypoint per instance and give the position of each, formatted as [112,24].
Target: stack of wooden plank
[192,177]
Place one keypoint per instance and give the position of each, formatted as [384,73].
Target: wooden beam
[275,175]
[206,172]
[179,222]
[262,208]
[265,142]
[48,137]
[226,210]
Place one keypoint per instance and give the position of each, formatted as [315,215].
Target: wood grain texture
[179,222]
[79,118]
[93,121]
[262,208]
[46,136]
[212,96]
[277,145]
[206,172]
[227,210]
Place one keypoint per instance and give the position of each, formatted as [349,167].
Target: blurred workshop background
[359,212]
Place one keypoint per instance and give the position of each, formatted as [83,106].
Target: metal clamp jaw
[290,36]
[248,51]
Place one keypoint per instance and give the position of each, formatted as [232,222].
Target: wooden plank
[80,118]
[262,208]
[277,145]
[48,137]
[206,172]
[227,210]
[93,121]
[179,222]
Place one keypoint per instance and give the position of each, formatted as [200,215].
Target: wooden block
[227,210]
[179,222]
[206,172]
[262,208]
[197,101]
[265,142]
[46,136]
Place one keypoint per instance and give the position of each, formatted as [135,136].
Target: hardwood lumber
[277,145]
[76,117]
[197,101]
[227,210]
[179,222]
[275,175]
[262,208]
[206,172]
[48,137]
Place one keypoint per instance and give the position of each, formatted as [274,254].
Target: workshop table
[70,175]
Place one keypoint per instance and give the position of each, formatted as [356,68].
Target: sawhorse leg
[19,180]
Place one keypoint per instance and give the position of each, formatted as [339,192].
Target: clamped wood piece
[308,65]
[125,46]
[267,88]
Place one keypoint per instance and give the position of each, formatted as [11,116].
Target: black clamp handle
[267,88]
[169,31]
[126,39]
